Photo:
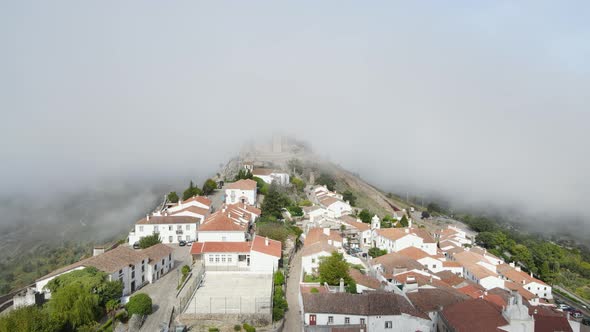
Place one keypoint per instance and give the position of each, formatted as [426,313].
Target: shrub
[279,278]
[213,329]
[277,313]
[140,304]
[150,240]
[249,328]
[237,327]
[122,316]
[314,290]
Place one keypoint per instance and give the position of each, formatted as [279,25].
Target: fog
[484,104]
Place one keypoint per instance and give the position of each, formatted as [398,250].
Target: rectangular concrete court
[236,292]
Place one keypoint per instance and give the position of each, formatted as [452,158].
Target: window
[170,227]
[216,258]
[141,228]
[142,268]
[346,320]
[162,261]
[120,272]
[132,274]
[330,319]
[229,259]
[434,266]
[313,260]
[142,279]
[545,288]
[155,228]
[170,256]
[223,258]
[179,227]
[362,321]
[188,227]
[210,258]
[132,267]
[388,324]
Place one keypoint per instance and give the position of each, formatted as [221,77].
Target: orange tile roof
[219,221]
[451,264]
[212,247]
[194,209]
[249,208]
[423,233]
[160,220]
[315,235]
[473,315]
[392,233]
[201,199]
[351,221]
[318,247]
[262,171]
[414,253]
[246,184]
[329,201]
[473,290]
[273,247]
[517,276]
[363,279]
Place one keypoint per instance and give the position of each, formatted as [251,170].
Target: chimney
[531,273]
[407,230]
[266,241]
[327,231]
[147,217]
[97,251]
[180,202]
[518,268]
[341,288]
[511,264]
[485,293]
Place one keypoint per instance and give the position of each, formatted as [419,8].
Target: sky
[485,102]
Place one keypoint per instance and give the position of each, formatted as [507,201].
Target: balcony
[179,232]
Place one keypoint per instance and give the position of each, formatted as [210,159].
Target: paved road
[217,198]
[163,291]
[293,317]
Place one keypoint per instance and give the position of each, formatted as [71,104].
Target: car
[180,328]
[576,314]
[563,306]
[136,245]
[182,243]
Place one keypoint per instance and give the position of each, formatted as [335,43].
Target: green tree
[333,268]
[191,191]
[327,180]
[89,278]
[111,306]
[349,197]
[404,221]
[140,304]
[243,174]
[274,202]
[75,305]
[209,187]
[279,278]
[296,211]
[29,318]
[365,216]
[305,202]
[298,184]
[150,240]
[376,252]
[173,197]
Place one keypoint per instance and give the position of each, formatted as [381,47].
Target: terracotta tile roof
[470,260]
[213,247]
[447,243]
[455,251]
[473,315]
[517,276]
[420,279]
[451,264]
[551,324]
[162,220]
[246,184]
[423,233]
[496,300]
[249,208]
[472,290]
[352,222]
[521,290]
[392,233]
[317,248]
[450,278]
[219,221]
[363,279]
[414,253]
[329,201]
[194,209]
[201,199]
[366,304]
[315,235]
[431,299]
[394,261]
[273,247]
[262,171]
[157,251]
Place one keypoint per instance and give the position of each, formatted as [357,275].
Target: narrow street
[293,317]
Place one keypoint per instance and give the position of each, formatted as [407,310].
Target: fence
[230,305]
[186,293]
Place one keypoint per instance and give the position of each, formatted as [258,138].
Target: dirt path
[293,321]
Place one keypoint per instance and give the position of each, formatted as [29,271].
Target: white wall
[491,282]
[163,266]
[311,262]
[432,264]
[407,241]
[127,276]
[168,232]
[221,236]
[260,262]
[183,205]
[232,196]
[191,214]
[41,283]
[542,291]
[339,209]
[401,322]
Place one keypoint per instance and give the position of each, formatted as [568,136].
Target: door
[132,286]
[170,239]
[312,319]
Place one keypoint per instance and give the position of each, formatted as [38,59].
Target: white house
[375,311]
[362,230]
[172,229]
[242,191]
[432,263]
[315,213]
[336,207]
[396,239]
[160,261]
[195,201]
[220,227]
[527,281]
[134,268]
[478,270]
[269,175]
[259,255]
[312,253]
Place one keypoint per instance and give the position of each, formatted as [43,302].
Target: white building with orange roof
[196,201]
[241,191]
[362,230]
[335,206]
[172,229]
[220,227]
[432,263]
[477,269]
[259,255]
[513,273]
[396,239]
